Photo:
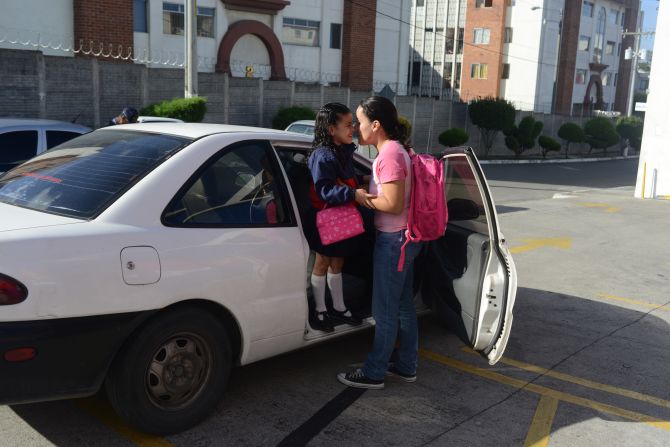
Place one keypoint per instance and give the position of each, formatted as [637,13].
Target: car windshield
[82,177]
[301,128]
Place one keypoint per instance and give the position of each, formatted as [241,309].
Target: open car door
[468,276]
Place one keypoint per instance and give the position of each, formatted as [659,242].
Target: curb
[554,161]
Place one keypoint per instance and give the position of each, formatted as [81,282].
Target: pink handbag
[338,223]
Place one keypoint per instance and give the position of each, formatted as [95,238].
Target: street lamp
[558,52]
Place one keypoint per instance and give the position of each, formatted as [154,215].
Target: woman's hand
[364,199]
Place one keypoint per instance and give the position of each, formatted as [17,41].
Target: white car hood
[17,218]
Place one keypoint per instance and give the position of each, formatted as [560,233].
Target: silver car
[23,138]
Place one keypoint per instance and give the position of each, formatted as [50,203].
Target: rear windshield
[83,176]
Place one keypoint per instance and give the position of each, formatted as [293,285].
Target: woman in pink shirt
[392,291]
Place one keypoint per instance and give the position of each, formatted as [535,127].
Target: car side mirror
[462,209]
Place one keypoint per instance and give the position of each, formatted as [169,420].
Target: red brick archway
[265,34]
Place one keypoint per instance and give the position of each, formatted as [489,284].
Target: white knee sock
[335,286]
[319,291]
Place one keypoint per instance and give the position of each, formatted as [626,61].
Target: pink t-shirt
[392,164]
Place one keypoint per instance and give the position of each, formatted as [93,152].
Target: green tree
[548,144]
[287,115]
[600,133]
[453,137]
[522,137]
[571,133]
[491,115]
[630,130]
[407,125]
[191,110]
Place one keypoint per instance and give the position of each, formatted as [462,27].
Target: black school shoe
[321,322]
[357,379]
[393,372]
[340,317]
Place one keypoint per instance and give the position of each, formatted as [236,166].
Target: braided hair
[378,108]
[328,116]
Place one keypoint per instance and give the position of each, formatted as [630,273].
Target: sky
[649,7]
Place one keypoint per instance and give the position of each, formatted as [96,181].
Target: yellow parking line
[104,413]
[608,208]
[583,382]
[540,428]
[560,395]
[646,304]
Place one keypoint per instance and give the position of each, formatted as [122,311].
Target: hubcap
[178,371]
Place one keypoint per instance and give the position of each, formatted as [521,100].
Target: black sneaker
[321,322]
[342,317]
[393,372]
[357,379]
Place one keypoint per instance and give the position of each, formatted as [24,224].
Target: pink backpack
[428,214]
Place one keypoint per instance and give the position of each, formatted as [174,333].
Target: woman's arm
[393,199]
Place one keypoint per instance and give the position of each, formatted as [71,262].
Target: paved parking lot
[586,363]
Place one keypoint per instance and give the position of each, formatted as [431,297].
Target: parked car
[23,138]
[306,127]
[157,119]
[152,258]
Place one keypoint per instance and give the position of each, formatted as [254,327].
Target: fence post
[95,68]
[226,98]
[260,102]
[349,97]
[42,84]
[144,85]
[292,94]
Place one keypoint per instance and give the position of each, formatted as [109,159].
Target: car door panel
[469,278]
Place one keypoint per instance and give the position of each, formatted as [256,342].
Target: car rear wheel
[172,373]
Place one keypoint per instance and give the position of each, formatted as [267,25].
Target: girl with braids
[392,290]
[334,183]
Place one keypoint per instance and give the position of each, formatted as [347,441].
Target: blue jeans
[393,307]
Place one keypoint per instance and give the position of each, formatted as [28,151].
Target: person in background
[128,115]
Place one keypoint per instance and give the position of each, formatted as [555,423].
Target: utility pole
[634,55]
[191,53]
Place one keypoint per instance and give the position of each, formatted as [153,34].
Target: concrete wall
[93,91]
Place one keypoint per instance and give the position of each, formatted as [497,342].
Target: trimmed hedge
[548,144]
[287,115]
[453,137]
[191,110]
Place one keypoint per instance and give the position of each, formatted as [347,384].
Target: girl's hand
[364,199]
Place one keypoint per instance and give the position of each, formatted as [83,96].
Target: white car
[153,258]
[157,119]
[23,138]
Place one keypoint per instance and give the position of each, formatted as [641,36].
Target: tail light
[11,291]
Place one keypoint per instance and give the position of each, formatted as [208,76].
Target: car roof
[198,130]
[40,123]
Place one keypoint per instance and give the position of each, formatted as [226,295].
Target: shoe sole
[339,321]
[369,386]
[403,378]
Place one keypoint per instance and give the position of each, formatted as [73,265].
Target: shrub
[407,125]
[548,144]
[520,139]
[600,133]
[571,133]
[191,110]
[491,115]
[630,129]
[287,115]
[453,137]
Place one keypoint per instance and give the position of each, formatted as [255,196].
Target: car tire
[172,372]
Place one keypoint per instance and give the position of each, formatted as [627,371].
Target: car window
[301,128]
[241,187]
[56,137]
[84,176]
[463,195]
[17,147]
